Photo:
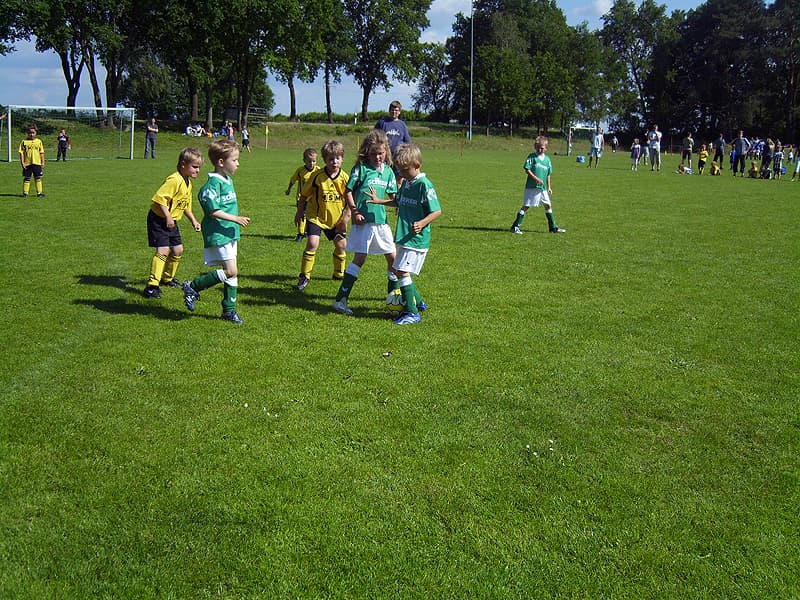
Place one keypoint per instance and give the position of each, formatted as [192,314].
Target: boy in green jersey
[537,187]
[418,207]
[220,226]
[371,178]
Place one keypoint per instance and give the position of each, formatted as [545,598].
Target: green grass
[610,413]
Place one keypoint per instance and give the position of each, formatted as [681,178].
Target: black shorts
[314,229]
[34,171]
[158,236]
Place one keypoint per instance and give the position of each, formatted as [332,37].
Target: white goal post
[93,135]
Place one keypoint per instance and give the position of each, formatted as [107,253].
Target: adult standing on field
[741,146]
[719,150]
[654,143]
[150,138]
[395,129]
[598,142]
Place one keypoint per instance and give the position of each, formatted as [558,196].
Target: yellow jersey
[325,198]
[176,194]
[32,152]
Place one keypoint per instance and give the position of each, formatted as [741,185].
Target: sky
[33,78]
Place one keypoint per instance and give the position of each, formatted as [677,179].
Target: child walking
[323,207]
[301,176]
[418,207]
[636,152]
[537,187]
[221,230]
[702,157]
[31,157]
[172,200]
[372,178]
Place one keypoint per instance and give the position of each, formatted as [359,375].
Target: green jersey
[416,200]
[362,178]
[218,194]
[541,166]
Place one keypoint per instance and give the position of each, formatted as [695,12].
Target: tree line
[726,65]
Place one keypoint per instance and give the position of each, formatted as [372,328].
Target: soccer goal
[95,133]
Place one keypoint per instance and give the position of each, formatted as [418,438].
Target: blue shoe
[189,296]
[232,317]
[301,284]
[408,319]
[422,307]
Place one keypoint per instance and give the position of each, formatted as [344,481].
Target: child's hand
[243,221]
[170,223]
[288,191]
[197,226]
[373,196]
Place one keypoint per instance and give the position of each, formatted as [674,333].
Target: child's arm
[533,176]
[350,201]
[549,188]
[289,189]
[221,214]
[165,213]
[302,202]
[389,200]
[195,223]
[418,226]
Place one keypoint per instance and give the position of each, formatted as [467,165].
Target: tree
[386,41]
[435,89]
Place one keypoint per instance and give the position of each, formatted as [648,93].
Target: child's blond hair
[408,155]
[189,155]
[309,153]
[332,148]
[541,141]
[374,138]
[221,149]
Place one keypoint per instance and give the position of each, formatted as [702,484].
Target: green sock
[518,220]
[347,284]
[410,294]
[392,284]
[229,298]
[551,221]
[205,281]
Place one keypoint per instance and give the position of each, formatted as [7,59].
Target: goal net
[94,133]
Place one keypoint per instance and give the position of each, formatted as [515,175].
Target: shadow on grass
[121,307]
[279,238]
[114,281]
[492,229]
[280,290]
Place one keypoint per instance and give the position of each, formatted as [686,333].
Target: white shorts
[596,152]
[535,197]
[409,260]
[369,238]
[217,255]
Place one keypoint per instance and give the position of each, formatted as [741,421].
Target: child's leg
[551,220]
[350,277]
[339,255]
[231,286]
[171,266]
[157,266]
[309,256]
[26,184]
[520,216]
[391,275]
[409,291]
[39,187]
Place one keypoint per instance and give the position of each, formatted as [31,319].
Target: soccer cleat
[232,317]
[299,237]
[173,283]
[422,306]
[302,282]
[40,195]
[408,318]
[152,291]
[558,230]
[190,296]
[24,195]
[516,230]
[340,306]
[336,277]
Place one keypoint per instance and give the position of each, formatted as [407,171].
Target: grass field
[610,413]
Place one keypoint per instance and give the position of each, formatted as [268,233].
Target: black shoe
[173,283]
[152,291]
[40,195]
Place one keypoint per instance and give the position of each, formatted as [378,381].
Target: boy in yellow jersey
[31,157]
[322,202]
[302,176]
[172,200]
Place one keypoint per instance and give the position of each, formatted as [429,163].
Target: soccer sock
[39,186]
[206,280]
[350,277]
[307,262]
[551,221]
[392,283]
[229,297]
[410,293]
[26,186]
[518,220]
[338,264]
[171,267]
[156,269]
[301,229]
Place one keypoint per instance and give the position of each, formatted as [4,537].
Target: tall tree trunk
[365,103]
[209,108]
[88,54]
[328,108]
[292,100]
[72,67]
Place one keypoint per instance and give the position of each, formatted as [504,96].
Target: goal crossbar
[15,112]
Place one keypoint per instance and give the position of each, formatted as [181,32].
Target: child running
[221,232]
[372,178]
[301,176]
[537,187]
[418,208]
[322,205]
[172,200]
